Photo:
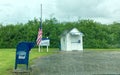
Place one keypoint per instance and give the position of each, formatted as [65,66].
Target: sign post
[39,48]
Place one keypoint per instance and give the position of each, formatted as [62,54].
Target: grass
[7,58]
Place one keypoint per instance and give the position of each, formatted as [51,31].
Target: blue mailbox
[22,53]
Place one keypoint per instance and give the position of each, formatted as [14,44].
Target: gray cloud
[81,8]
[105,11]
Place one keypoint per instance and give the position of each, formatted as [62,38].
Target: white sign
[45,42]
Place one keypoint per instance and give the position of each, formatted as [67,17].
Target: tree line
[96,35]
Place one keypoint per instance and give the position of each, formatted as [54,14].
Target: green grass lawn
[7,58]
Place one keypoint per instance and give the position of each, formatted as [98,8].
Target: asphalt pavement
[78,63]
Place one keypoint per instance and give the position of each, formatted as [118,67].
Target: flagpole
[41,12]
[39,50]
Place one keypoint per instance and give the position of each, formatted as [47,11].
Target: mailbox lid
[25,46]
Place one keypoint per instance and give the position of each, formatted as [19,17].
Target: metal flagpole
[39,50]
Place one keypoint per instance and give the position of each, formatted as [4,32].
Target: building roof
[74,31]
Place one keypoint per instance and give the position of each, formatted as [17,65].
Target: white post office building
[72,40]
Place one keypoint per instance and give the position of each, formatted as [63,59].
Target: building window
[79,41]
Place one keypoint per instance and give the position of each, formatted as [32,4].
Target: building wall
[63,43]
[68,44]
[81,48]
[76,42]
[72,43]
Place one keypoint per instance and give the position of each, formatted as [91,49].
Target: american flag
[39,37]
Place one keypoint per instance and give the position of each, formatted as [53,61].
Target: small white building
[72,40]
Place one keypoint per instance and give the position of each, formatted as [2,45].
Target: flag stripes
[39,38]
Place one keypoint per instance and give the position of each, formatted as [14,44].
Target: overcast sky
[20,11]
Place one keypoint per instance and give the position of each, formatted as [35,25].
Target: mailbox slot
[21,55]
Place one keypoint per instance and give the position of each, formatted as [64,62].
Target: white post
[47,48]
[39,48]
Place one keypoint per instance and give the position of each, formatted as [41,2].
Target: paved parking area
[78,63]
